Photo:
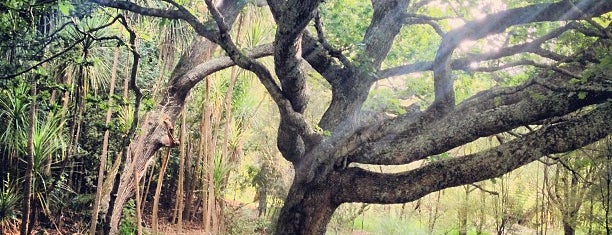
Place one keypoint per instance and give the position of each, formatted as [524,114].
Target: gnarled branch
[497,23]
[469,122]
[359,185]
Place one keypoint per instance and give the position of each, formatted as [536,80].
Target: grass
[387,225]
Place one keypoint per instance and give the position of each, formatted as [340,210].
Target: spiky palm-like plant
[48,142]
[13,118]
[9,201]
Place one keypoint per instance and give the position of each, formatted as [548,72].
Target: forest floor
[246,211]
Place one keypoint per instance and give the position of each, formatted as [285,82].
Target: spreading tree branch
[412,19]
[464,63]
[199,72]
[86,34]
[468,123]
[359,185]
[349,92]
[497,23]
[203,29]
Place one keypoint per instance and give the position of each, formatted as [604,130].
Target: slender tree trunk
[434,217]
[211,123]
[103,156]
[545,201]
[482,217]
[112,220]
[606,196]
[27,186]
[126,81]
[207,163]
[147,187]
[138,204]
[179,205]
[75,132]
[160,179]
[190,177]
[463,212]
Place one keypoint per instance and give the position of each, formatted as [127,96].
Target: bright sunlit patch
[466,45]
[484,8]
[478,10]
[477,13]
[455,22]
[473,65]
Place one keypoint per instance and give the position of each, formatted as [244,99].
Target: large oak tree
[566,103]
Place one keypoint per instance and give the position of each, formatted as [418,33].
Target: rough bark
[324,177]
[307,210]
[155,132]
[364,186]
[351,91]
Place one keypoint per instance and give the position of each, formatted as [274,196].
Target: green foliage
[468,84]
[381,224]
[9,201]
[65,7]
[220,171]
[47,141]
[125,118]
[384,100]
[439,157]
[421,85]
[418,42]
[24,36]
[345,23]
[258,27]
[603,69]
[339,16]
[128,224]
[516,79]
[14,104]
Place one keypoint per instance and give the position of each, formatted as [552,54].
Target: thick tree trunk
[307,210]
[568,229]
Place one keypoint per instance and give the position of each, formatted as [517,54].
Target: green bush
[128,222]
[9,199]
